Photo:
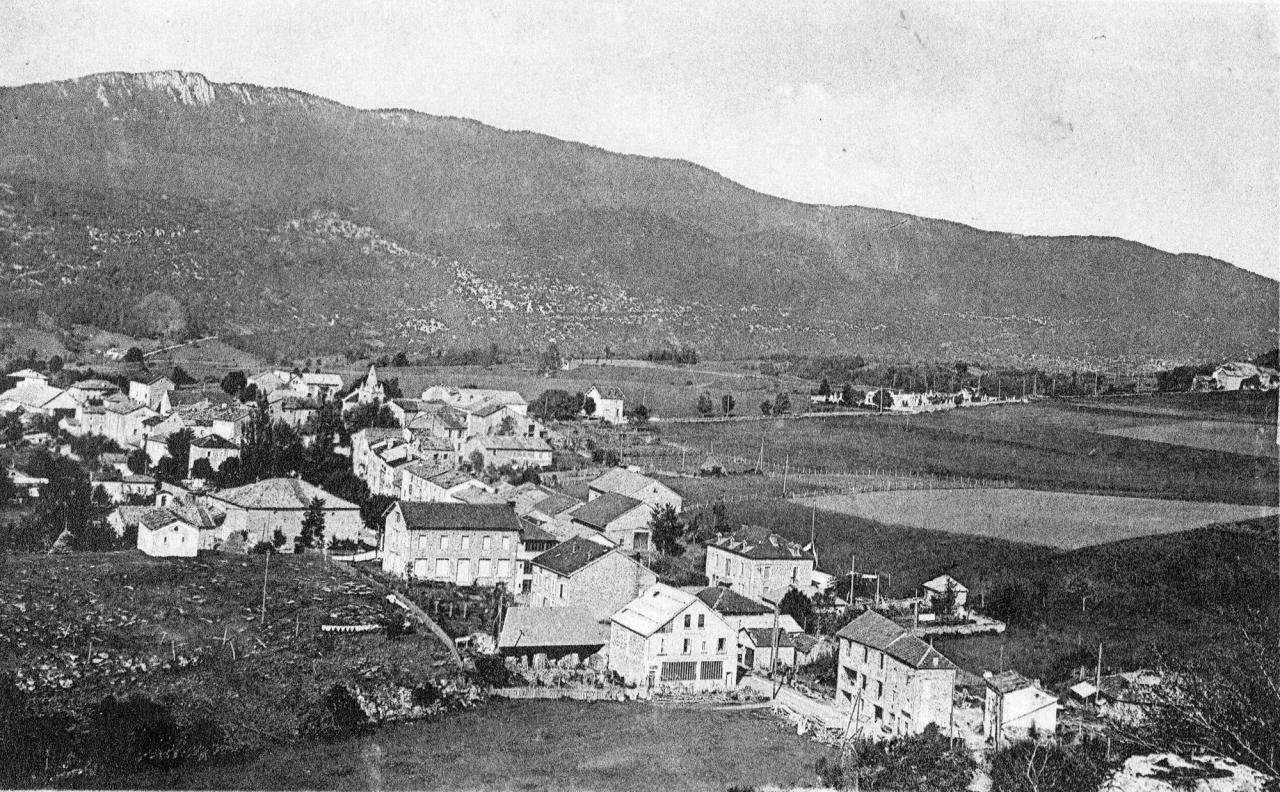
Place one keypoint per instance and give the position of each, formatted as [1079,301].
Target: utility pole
[773,655]
[1097,679]
[786,465]
[262,619]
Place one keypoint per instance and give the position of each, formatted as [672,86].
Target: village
[597,581]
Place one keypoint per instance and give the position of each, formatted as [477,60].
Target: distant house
[26,485]
[513,450]
[756,648]
[1017,708]
[623,521]
[91,390]
[426,482]
[669,638]
[583,574]
[938,587]
[634,485]
[151,390]
[164,533]
[368,391]
[452,542]
[1245,376]
[554,508]
[893,680]
[213,448]
[538,635]
[438,421]
[256,511]
[755,561]
[468,399]
[38,397]
[122,421]
[609,403]
[321,387]
[291,408]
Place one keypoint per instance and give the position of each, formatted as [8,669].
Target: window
[506,542]
[794,572]
[864,654]
[688,620]
[882,661]
[640,540]
[662,646]
[719,646]
[561,591]
[444,543]
[484,568]
[684,649]
[466,542]
[864,681]
[711,669]
[701,620]
[879,690]
[442,569]
[879,713]
[704,647]
[679,672]
[504,568]
[486,542]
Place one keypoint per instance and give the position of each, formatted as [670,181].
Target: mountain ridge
[512,205]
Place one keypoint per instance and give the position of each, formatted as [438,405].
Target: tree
[133,355]
[137,460]
[173,467]
[373,512]
[796,605]
[400,360]
[477,461]
[180,377]
[923,762]
[202,469]
[883,398]
[507,427]
[550,360]
[588,406]
[705,407]
[8,491]
[727,404]
[556,405]
[234,383]
[639,415]
[666,530]
[54,365]
[944,604]
[1030,766]
[782,403]
[312,525]
[846,395]
[824,388]
[766,407]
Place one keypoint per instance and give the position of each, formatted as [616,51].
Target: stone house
[164,533]
[893,681]
[150,391]
[424,482]
[756,650]
[514,450]
[669,638]
[634,485]
[623,521]
[584,574]
[214,448]
[1017,708]
[461,543]
[609,403]
[256,511]
[755,562]
[536,636]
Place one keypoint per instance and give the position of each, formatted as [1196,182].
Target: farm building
[38,397]
[755,648]
[623,521]
[891,679]
[513,450]
[1245,376]
[321,387]
[634,485]
[461,543]
[669,638]
[1017,708]
[609,403]
[584,574]
[256,511]
[938,587]
[754,562]
[161,532]
[537,635]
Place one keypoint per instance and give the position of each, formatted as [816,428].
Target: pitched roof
[763,636]
[754,541]
[486,408]
[608,392]
[881,633]
[459,516]
[281,493]
[212,441]
[1009,682]
[533,533]
[558,503]
[123,406]
[27,373]
[152,380]
[447,417]
[548,627]
[316,378]
[571,556]
[513,443]
[410,405]
[940,584]
[32,393]
[731,603]
[804,642]
[605,509]
[621,481]
[92,384]
[655,607]
[157,518]
[443,476]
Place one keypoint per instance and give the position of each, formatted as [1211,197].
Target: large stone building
[623,521]
[634,485]
[463,543]
[892,680]
[669,638]
[756,562]
[256,511]
[584,574]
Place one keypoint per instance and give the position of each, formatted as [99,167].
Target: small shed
[756,648]
[539,635]
[163,533]
[1017,708]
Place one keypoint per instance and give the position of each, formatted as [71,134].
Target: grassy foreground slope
[187,635]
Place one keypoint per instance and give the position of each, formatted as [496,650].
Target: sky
[1153,122]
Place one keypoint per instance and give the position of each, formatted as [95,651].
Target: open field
[1252,439]
[187,633]
[1057,519]
[1041,445]
[537,745]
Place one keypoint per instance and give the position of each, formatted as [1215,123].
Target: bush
[1028,766]
[491,671]
[136,731]
[334,716]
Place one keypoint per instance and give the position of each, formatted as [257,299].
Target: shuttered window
[711,669]
[679,672]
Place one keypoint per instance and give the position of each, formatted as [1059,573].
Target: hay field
[1234,437]
[1056,519]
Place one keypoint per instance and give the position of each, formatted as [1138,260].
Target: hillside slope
[292,219]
